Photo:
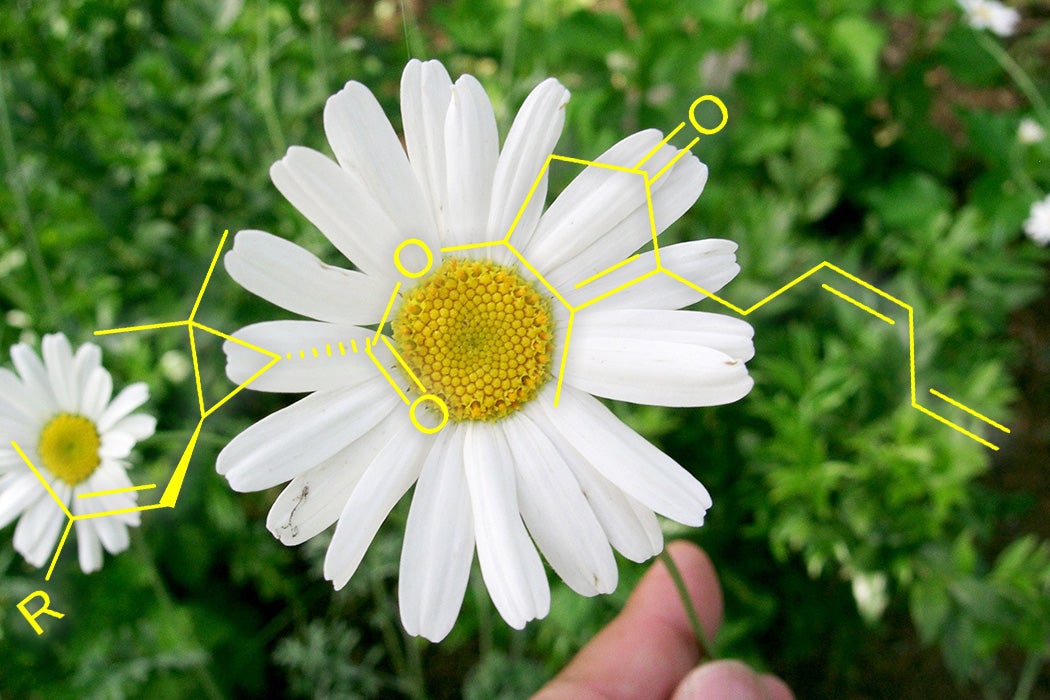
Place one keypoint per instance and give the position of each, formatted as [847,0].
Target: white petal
[709,264]
[531,140]
[439,542]
[109,476]
[626,459]
[23,432]
[287,443]
[365,144]
[331,368]
[426,90]
[313,500]
[672,195]
[390,474]
[87,358]
[37,529]
[337,203]
[126,401]
[632,529]
[98,390]
[595,201]
[89,549]
[138,426]
[293,278]
[58,358]
[34,376]
[471,151]
[556,513]
[660,357]
[16,401]
[116,445]
[21,491]
[112,533]
[603,215]
[510,566]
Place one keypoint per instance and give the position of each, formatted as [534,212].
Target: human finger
[728,679]
[647,649]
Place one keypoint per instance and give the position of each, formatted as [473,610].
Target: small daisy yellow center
[478,336]
[69,447]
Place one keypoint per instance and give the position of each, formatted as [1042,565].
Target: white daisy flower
[1037,225]
[483,334]
[1030,131]
[61,412]
[991,15]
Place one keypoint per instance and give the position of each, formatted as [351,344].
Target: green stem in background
[404,23]
[510,44]
[265,92]
[386,629]
[407,663]
[690,610]
[1017,73]
[486,641]
[29,234]
[1029,675]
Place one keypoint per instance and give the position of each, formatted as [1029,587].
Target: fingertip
[721,680]
[775,688]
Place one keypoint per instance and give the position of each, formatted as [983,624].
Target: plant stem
[386,629]
[18,190]
[510,44]
[1020,77]
[1029,675]
[265,92]
[690,610]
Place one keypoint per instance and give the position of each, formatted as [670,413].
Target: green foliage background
[878,136]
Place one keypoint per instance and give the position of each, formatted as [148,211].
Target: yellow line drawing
[386,312]
[379,365]
[404,365]
[657,147]
[110,492]
[170,494]
[607,270]
[972,412]
[660,268]
[671,163]
[858,304]
[171,491]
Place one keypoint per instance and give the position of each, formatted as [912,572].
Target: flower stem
[18,190]
[690,610]
[1029,675]
[264,93]
[1020,77]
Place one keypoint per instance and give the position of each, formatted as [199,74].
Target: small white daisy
[1037,225]
[991,15]
[1030,131]
[62,414]
[480,332]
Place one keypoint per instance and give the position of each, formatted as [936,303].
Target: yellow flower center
[69,447]
[478,336]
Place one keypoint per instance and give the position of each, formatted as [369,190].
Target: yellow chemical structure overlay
[433,402]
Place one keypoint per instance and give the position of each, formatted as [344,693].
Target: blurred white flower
[62,414]
[1037,225]
[991,15]
[1030,131]
[869,591]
